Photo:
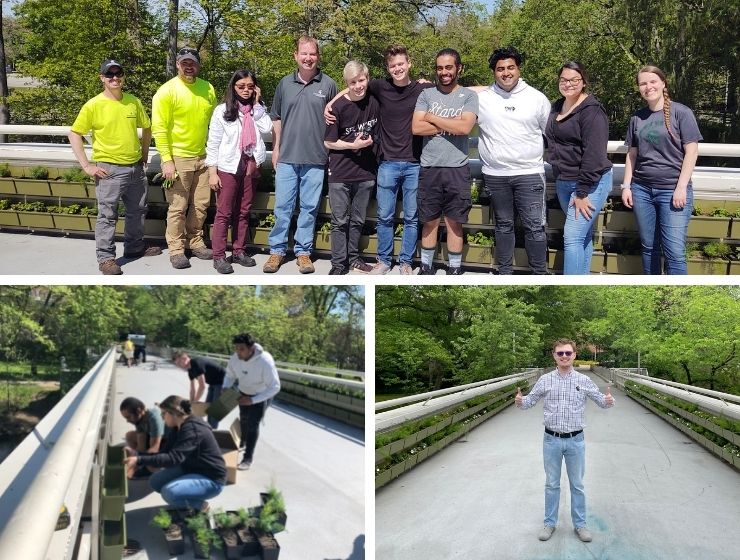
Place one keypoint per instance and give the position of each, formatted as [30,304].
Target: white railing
[435,402]
[52,467]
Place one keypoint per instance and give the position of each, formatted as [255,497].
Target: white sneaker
[406,269]
[583,534]
[380,268]
[244,465]
[546,532]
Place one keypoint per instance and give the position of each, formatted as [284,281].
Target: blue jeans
[182,490]
[391,176]
[526,194]
[662,228]
[579,244]
[214,392]
[291,181]
[573,450]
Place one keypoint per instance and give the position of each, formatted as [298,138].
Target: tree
[4,109]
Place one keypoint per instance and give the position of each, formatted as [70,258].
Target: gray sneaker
[179,261]
[381,268]
[546,533]
[583,534]
[244,465]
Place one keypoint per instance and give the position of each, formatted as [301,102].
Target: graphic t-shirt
[353,118]
[445,149]
[660,155]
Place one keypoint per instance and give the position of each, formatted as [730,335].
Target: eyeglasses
[248,86]
[572,81]
[110,75]
[566,353]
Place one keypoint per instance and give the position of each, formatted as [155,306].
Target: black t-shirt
[397,109]
[203,366]
[353,118]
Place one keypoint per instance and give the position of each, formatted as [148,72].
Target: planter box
[152,228]
[7,185]
[269,547]
[64,189]
[33,187]
[734,268]
[114,539]
[198,551]
[622,264]
[555,259]
[36,220]
[72,222]
[555,219]
[735,228]
[707,266]
[481,254]
[264,201]
[322,242]
[369,245]
[620,220]
[175,544]
[9,218]
[324,206]
[260,235]
[115,491]
[709,227]
[155,194]
[479,215]
[232,547]
[250,546]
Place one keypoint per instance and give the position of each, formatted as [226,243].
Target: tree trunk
[172,39]
[4,109]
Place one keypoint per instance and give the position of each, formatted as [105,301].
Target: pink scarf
[248,138]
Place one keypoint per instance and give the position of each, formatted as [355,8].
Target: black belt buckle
[563,435]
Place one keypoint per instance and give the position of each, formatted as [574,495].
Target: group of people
[394,134]
[178,449]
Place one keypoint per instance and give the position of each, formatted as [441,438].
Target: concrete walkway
[35,253]
[652,494]
[317,464]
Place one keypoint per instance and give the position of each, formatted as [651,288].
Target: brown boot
[273,263]
[110,267]
[305,266]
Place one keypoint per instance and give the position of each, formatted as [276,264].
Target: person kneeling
[194,469]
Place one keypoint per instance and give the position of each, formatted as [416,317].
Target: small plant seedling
[39,173]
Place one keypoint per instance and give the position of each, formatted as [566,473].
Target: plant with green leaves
[162,519]
[720,213]
[4,204]
[717,250]
[76,175]
[226,520]
[39,172]
[275,500]
[37,206]
[267,522]
[267,221]
[5,170]
[202,532]
[89,211]
[325,228]
[398,231]
[479,238]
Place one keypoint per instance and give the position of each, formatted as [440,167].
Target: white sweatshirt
[222,148]
[512,124]
[256,376]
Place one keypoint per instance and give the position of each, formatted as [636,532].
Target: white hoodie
[256,376]
[512,124]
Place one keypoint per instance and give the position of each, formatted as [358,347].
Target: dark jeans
[249,420]
[233,203]
[214,392]
[348,203]
[526,195]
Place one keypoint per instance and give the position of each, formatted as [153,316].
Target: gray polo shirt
[445,149]
[300,108]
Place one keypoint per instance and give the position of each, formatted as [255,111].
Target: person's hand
[94,171]
[679,197]
[244,400]
[130,457]
[583,207]
[423,81]
[361,143]
[214,182]
[168,170]
[627,197]
[257,96]
[518,399]
[329,116]
[609,400]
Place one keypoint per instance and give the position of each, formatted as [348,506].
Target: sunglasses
[566,353]
[114,74]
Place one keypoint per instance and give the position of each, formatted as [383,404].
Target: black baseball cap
[187,53]
[109,63]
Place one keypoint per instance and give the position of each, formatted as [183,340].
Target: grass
[17,396]
[22,370]
[381,398]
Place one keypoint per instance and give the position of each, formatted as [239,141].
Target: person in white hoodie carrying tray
[252,371]
[512,120]
[234,153]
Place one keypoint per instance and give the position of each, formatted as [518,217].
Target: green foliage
[324,229]
[720,213]
[39,172]
[37,206]
[5,170]
[4,204]
[162,519]
[269,221]
[717,250]
[76,175]
[479,238]
[226,520]
[275,500]
[398,232]
[89,211]
[268,522]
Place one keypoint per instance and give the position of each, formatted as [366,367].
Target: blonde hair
[354,68]
[666,98]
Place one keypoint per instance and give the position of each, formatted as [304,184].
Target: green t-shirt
[181,113]
[151,424]
[113,124]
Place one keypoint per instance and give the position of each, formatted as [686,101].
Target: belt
[566,435]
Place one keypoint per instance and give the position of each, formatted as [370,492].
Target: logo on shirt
[319,93]
[510,108]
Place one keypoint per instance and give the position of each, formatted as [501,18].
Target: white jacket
[256,376]
[222,148]
[512,124]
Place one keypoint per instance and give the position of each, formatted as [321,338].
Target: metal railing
[709,410]
[710,183]
[338,398]
[57,464]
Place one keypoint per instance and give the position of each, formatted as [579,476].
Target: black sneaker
[243,259]
[454,271]
[425,270]
[337,270]
[222,266]
[148,251]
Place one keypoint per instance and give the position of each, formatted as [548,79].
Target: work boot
[222,266]
[305,266]
[179,261]
[203,253]
[273,263]
[109,267]
[243,259]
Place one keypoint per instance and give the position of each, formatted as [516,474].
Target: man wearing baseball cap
[181,112]
[113,118]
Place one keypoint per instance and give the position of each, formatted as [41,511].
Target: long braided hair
[666,98]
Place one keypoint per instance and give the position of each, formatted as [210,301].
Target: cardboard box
[199,408]
[227,402]
[229,441]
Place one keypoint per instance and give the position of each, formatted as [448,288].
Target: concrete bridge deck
[316,462]
[652,494]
